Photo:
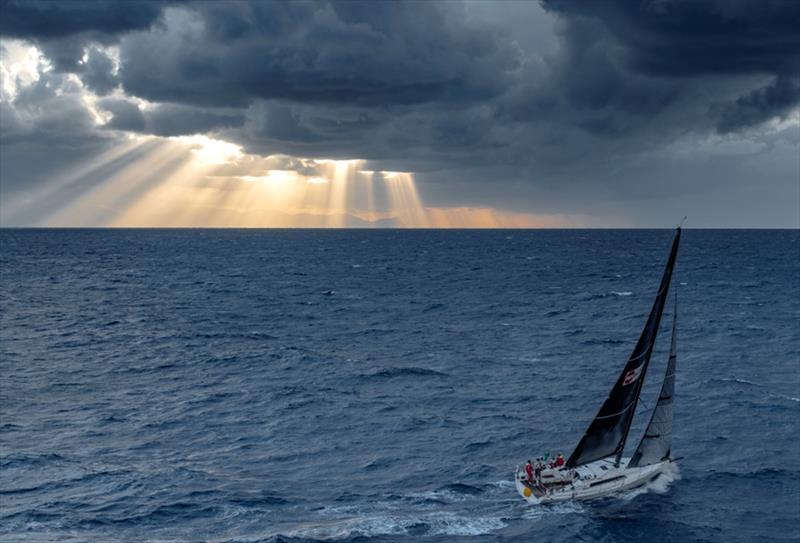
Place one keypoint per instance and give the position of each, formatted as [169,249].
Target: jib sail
[657,439]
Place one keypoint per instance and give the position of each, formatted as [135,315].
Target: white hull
[595,480]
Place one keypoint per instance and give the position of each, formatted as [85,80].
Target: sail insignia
[608,432]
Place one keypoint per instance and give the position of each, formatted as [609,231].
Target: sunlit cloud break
[199,181]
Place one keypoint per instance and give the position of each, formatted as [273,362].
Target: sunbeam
[67,186]
[404,199]
[199,181]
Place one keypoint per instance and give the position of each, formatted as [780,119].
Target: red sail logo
[631,376]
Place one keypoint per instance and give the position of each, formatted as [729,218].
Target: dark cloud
[644,57]
[50,111]
[64,28]
[677,38]
[177,120]
[358,78]
[774,100]
[282,123]
[43,19]
[125,115]
[65,53]
[167,119]
[377,54]
[99,74]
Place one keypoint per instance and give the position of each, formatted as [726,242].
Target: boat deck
[595,480]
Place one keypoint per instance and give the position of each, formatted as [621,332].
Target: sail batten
[608,431]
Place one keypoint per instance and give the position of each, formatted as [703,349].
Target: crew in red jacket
[559,461]
[529,470]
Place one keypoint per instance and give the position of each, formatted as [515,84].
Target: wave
[737,380]
[30,460]
[529,359]
[777,473]
[659,485]
[592,297]
[435,523]
[461,488]
[560,508]
[477,445]
[600,296]
[10,427]
[255,335]
[120,479]
[444,495]
[767,392]
[170,512]
[377,464]
[259,500]
[603,342]
[390,373]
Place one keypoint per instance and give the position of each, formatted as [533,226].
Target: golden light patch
[209,150]
[199,181]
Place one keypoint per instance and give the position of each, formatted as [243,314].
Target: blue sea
[382,385]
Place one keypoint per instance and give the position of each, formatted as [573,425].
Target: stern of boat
[529,492]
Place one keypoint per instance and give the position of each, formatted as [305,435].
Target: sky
[564,113]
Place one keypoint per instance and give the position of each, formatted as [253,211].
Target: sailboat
[597,468]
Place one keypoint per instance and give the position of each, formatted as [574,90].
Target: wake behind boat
[596,467]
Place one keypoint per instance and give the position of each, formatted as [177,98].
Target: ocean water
[376,386]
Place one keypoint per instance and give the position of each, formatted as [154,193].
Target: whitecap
[529,359]
[659,485]
[447,496]
[387,523]
[452,524]
[535,512]
[737,380]
[624,293]
[503,483]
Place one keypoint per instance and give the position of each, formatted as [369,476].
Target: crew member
[529,470]
[559,461]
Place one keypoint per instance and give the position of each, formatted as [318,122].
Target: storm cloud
[64,28]
[561,101]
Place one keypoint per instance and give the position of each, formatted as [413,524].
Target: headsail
[608,431]
[657,439]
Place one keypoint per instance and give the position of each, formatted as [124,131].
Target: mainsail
[657,439]
[608,431]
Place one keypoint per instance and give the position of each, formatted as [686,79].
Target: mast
[608,431]
[656,443]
